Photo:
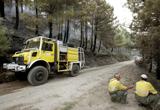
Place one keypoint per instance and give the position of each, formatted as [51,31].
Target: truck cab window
[47,46]
[33,44]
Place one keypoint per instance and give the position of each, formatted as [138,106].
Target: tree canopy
[4,41]
[146,28]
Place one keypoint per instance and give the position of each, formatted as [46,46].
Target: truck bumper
[14,67]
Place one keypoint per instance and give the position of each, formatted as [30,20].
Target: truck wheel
[21,76]
[75,70]
[37,75]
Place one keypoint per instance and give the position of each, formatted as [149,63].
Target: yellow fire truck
[43,56]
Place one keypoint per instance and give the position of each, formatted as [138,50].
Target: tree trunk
[92,35]
[86,36]
[60,31]
[100,43]
[95,42]
[2,13]
[17,15]
[61,34]
[37,27]
[65,28]
[50,24]
[111,50]
[158,69]
[83,44]
[150,66]
[95,37]
[21,3]
[82,35]
[67,31]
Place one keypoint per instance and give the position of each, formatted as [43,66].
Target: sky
[123,14]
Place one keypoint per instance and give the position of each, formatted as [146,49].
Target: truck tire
[38,75]
[75,70]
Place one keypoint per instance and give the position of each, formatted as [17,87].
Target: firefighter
[117,90]
[146,94]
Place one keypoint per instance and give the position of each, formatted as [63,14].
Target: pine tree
[146,27]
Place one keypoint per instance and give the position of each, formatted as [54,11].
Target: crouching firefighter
[146,94]
[117,90]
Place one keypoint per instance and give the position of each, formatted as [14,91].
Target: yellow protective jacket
[115,85]
[143,88]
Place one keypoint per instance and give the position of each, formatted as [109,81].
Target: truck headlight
[21,68]
[4,66]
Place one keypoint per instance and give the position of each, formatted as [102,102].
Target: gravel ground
[87,91]
[99,99]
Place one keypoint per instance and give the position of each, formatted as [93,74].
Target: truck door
[47,53]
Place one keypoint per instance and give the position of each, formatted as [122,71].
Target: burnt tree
[2,13]
[17,15]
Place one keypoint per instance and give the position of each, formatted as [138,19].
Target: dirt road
[84,92]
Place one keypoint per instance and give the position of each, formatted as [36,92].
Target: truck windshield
[33,44]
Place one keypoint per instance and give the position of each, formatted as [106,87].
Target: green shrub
[4,41]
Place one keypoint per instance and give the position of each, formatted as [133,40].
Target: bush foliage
[4,41]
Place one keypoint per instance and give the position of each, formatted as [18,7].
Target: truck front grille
[18,60]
